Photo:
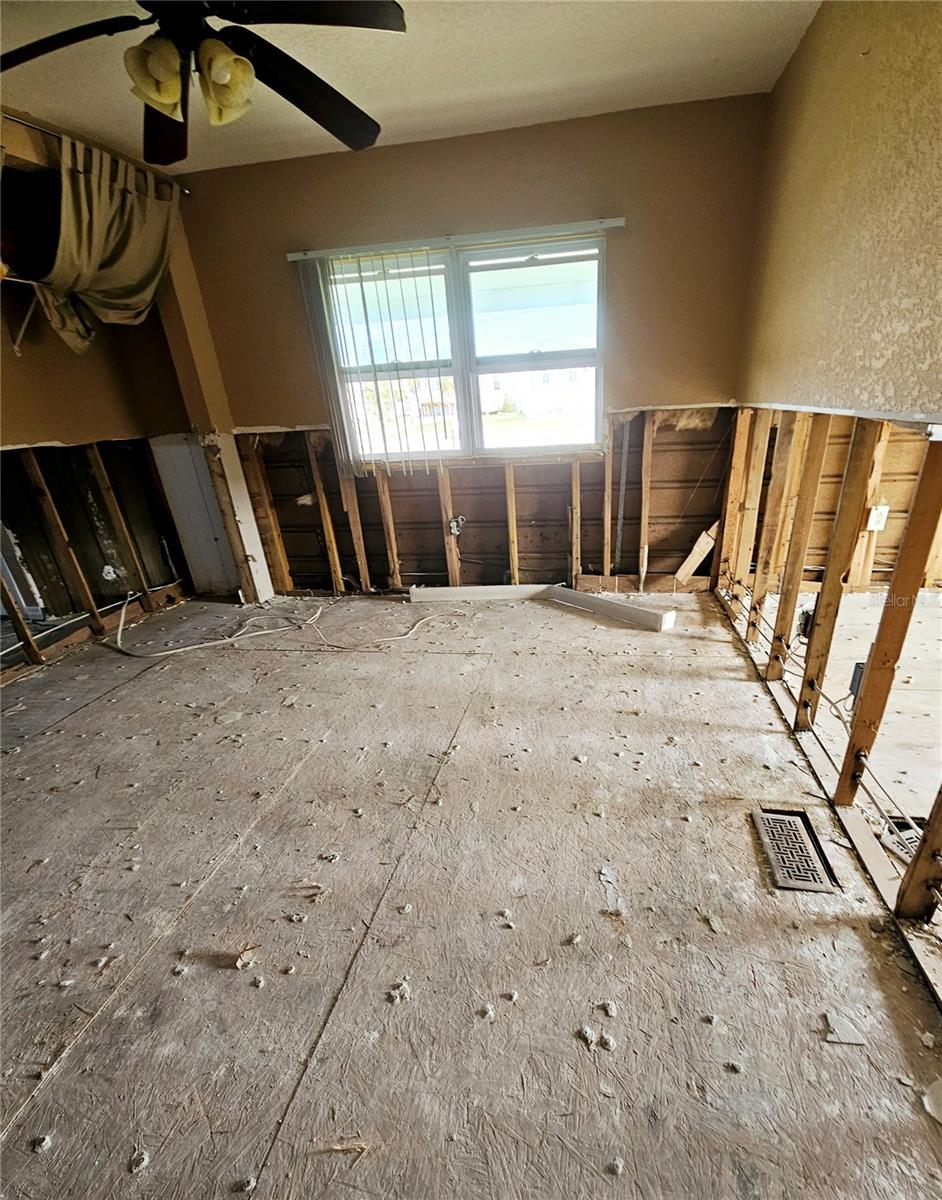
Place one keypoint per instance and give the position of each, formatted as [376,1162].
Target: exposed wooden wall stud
[389,527]
[898,608]
[17,620]
[510,493]
[843,540]
[348,494]
[452,554]
[607,502]
[922,882]
[330,540]
[59,541]
[266,518]
[732,504]
[861,564]
[132,560]
[774,502]
[575,517]
[644,522]
[751,496]
[799,538]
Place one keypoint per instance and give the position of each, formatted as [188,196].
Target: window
[461,350]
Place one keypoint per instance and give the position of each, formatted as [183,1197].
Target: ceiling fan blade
[69,37]
[165,140]
[302,88]
[363,14]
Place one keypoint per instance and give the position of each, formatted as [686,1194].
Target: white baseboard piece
[497,591]
[603,606]
[608,606]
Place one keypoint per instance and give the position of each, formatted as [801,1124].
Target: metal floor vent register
[796,859]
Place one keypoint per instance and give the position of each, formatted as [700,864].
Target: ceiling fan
[227,61]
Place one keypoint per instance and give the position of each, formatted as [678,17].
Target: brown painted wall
[124,386]
[848,310]
[685,177]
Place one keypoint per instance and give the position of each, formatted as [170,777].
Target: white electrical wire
[243,632]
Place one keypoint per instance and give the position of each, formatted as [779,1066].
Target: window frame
[580,241]
[578,249]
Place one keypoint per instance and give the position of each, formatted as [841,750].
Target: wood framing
[607,502]
[843,540]
[617,560]
[389,528]
[921,885]
[894,623]
[59,542]
[626,585]
[348,494]
[774,502]
[452,554]
[644,520]
[132,560]
[732,504]
[861,564]
[30,649]
[330,540]
[798,540]
[269,528]
[749,511]
[793,481]
[575,524]
[701,548]
[513,548]
[934,565]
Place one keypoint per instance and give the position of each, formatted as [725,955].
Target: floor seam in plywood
[421,813]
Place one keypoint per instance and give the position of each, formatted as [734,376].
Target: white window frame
[582,241]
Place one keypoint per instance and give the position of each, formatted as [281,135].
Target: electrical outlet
[876,518]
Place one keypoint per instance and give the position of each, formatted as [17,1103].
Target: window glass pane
[390,312]
[405,416]
[538,408]
[550,306]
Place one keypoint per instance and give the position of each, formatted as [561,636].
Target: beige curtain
[114,241]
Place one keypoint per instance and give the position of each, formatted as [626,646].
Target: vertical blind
[381,326]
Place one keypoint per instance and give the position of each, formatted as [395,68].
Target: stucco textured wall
[684,176]
[847,310]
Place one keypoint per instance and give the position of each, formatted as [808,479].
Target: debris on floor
[932,1100]
[138,1161]
[400,990]
[243,959]
[842,1030]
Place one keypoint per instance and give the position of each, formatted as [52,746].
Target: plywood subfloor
[361,818]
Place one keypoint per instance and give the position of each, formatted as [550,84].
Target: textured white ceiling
[464,66]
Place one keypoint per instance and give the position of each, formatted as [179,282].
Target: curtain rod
[58,133]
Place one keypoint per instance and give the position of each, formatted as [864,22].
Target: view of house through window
[464,352]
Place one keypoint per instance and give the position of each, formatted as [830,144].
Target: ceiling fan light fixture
[226,79]
[154,68]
